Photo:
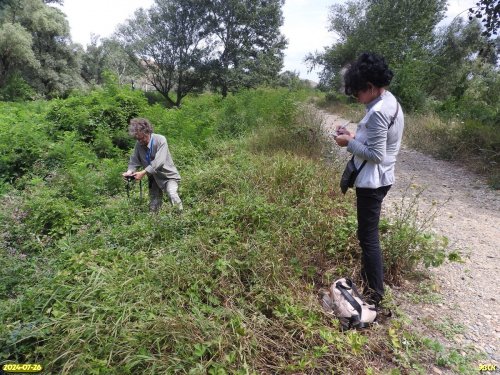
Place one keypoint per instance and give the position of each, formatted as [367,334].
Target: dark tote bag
[349,175]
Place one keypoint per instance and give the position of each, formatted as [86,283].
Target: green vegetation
[425,292]
[473,143]
[446,78]
[449,328]
[186,46]
[92,283]
[175,47]
[37,57]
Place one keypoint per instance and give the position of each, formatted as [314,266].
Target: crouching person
[152,154]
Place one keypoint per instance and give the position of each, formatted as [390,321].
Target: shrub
[23,138]
[16,89]
[48,213]
[229,286]
[472,143]
[333,97]
[193,124]
[253,109]
[107,110]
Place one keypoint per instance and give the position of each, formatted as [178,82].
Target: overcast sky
[305,25]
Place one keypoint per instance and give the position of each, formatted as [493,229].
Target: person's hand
[140,175]
[343,140]
[341,131]
[128,174]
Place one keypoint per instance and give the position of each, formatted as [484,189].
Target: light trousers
[156,194]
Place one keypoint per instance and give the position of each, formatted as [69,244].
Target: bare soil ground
[468,214]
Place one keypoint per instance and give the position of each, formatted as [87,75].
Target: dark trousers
[369,204]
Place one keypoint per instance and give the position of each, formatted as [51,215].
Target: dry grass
[472,144]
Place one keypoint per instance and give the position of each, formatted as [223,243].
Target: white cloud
[456,7]
[305,27]
[100,17]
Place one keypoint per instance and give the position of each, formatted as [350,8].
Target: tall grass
[94,284]
[471,143]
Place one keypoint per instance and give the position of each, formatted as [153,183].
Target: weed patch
[92,283]
[470,142]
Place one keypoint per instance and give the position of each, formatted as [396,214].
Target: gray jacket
[376,144]
[161,165]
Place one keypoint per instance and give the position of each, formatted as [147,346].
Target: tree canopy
[176,46]
[16,50]
[427,62]
[169,40]
[249,45]
[183,46]
[489,13]
[108,55]
[40,49]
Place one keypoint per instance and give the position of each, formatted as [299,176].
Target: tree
[458,46]
[93,59]
[119,62]
[107,54]
[292,81]
[248,43]
[347,21]
[15,50]
[184,45]
[59,59]
[401,31]
[56,69]
[489,12]
[172,44]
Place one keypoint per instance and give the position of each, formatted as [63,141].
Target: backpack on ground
[344,301]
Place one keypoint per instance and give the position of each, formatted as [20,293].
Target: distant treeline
[451,69]
[181,46]
[175,47]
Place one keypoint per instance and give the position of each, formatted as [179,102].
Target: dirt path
[469,216]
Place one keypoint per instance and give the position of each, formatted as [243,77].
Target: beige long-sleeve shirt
[161,165]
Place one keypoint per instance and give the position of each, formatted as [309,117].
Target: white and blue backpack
[344,301]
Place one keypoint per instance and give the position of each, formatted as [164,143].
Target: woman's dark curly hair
[368,68]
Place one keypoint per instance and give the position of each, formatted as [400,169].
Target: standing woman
[377,141]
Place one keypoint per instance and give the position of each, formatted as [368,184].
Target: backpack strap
[360,167]
[364,161]
[394,118]
[353,287]
[349,298]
